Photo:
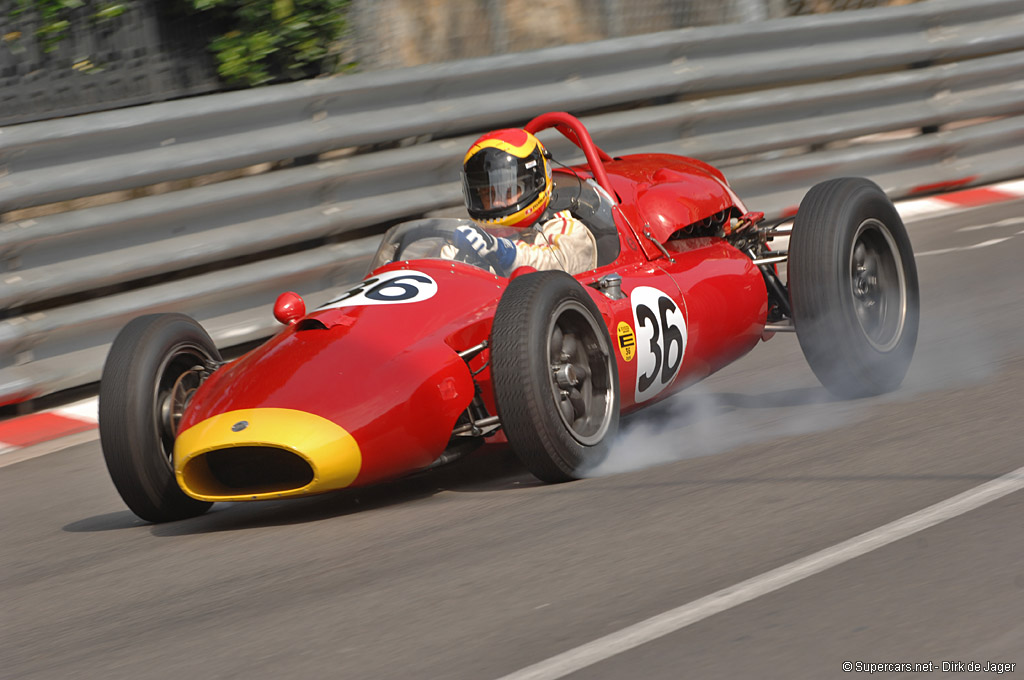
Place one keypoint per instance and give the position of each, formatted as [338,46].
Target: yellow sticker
[627,341]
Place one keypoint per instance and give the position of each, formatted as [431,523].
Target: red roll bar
[573,130]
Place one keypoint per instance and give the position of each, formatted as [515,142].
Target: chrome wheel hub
[878,285]
[581,373]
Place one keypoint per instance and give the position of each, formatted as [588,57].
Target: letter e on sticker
[627,341]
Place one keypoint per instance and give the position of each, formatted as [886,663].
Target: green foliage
[275,40]
[56,17]
[259,41]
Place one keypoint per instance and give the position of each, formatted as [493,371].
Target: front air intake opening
[249,470]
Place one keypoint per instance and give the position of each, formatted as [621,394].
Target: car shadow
[111,521]
[483,471]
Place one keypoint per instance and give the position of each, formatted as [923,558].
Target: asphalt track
[476,571]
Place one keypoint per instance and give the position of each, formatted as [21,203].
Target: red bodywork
[390,375]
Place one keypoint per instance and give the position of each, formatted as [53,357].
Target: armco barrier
[778,105]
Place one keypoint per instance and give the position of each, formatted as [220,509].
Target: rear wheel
[555,378]
[853,288]
[154,366]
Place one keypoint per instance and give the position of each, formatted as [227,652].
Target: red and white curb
[958,200]
[35,429]
[38,428]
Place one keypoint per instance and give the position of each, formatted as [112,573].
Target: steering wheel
[464,254]
[470,256]
[419,233]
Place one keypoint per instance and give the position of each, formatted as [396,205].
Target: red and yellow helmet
[506,179]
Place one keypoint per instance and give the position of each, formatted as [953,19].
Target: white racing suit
[562,242]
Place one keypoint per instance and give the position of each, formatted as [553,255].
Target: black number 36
[666,343]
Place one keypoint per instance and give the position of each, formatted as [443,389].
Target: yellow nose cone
[264,453]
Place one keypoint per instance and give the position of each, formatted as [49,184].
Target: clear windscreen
[431,238]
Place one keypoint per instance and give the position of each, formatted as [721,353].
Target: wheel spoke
[565,406]
[556,344]
[863,314]
[579,405]
[586,392]
[859,255]
[569,345]
[871,269]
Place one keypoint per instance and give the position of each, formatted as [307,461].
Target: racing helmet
[506,179]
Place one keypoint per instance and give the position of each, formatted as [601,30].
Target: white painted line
[675,619]
[1009,222]
[983,244]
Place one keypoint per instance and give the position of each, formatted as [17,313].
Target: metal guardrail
[778,105]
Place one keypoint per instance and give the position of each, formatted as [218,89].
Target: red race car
[431,356]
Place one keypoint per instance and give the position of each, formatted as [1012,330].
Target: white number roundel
[660,340]
[398,286]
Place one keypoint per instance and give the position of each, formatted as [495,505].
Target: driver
[506,182]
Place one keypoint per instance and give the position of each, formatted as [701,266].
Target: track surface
[476,571]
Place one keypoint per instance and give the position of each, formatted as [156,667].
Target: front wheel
[853,288]
[555,379]
[154,366]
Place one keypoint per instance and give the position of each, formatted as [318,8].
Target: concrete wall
[394,33]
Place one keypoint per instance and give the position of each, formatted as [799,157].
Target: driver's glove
[498,252]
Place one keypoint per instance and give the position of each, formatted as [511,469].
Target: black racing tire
[150,373]
[556,382]
[853,288]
